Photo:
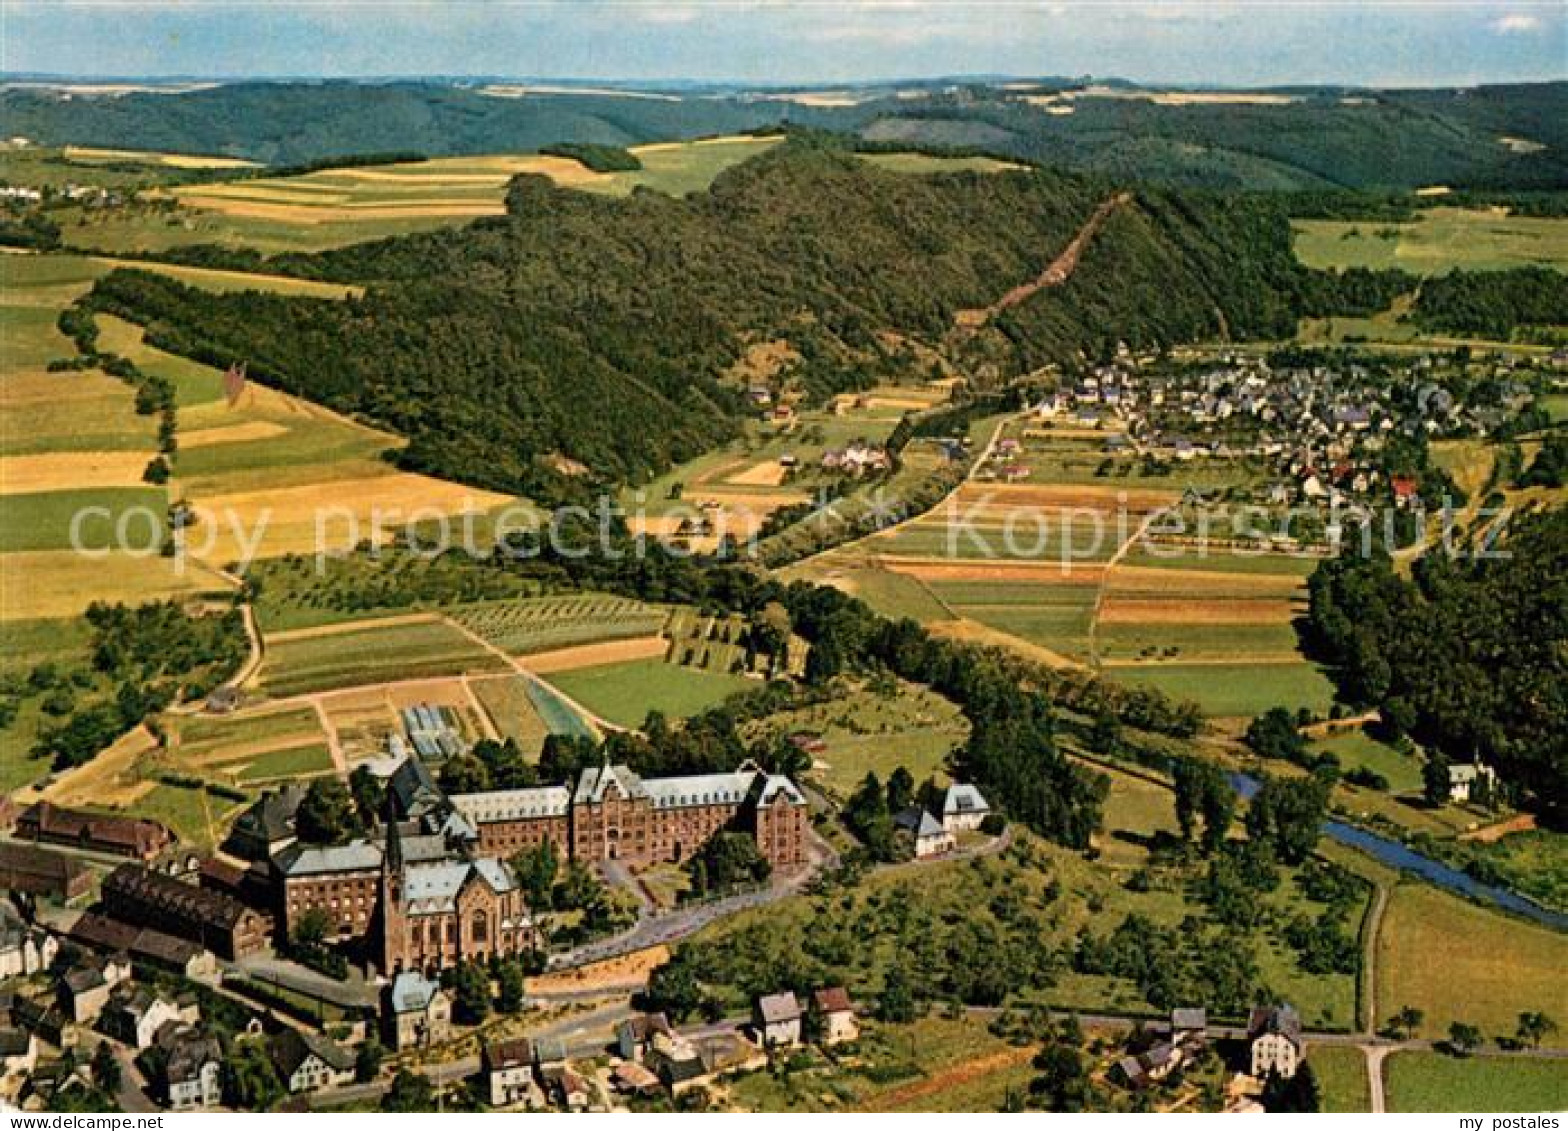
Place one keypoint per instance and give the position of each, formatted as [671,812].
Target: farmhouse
[308,1063]
[116,836]
[1274,1034]
[836,1015]
[218,922]
[776,1018]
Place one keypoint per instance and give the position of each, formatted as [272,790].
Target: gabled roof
[291,1048]
[313,859]
[1193,1017]
[833,999]
[513,804]
[598,782]
[1280,1019]
[962,798]
[774,1009]
[515,1053]
[412,992]
[919,822]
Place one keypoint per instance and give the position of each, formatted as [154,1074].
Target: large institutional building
[435,889]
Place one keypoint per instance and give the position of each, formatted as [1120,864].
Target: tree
[1288,816]
[509,979]
[727,860]
[1407,1022]
[868,817]
[1062,1083]
[409,1092]
[250,1082]
[674,989]
[578,888]
[370,795]
[106,1068]
[900,790]
[1464,1038]
[1203,791]
[536,869]
[1105,735]
[472,999]
[327,814]
[464,774]
[1298,1094]
[896,1003]
[311,929]
[1435,784]
[367,1061]
[1534,1027]
[1273,734]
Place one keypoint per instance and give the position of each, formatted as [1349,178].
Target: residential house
[308,1063]
[509,1074]
[634,1036]
[565,1087]
[676,1062]
[836,1014]
[417,1011]
[1190,1025]
[931,839]
[86,987]
[192,1074]
[1274,1035]
[41,1017]
[776,1018]
[1153,1065]
[1471,782]
[143,944]
[963,808]
[134,1016]
[631,1078]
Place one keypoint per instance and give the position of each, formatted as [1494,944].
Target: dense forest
[1467,655]
[1493,304]
[600,329]
[1325,138]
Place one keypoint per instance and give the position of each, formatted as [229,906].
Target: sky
[1218,42]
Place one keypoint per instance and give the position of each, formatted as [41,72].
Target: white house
[837,1013]
[307,1063]
[963,808]
[24,950]
[417,1011]
[136,1017]
[193,1068]
[1274,1034]
[776,1017]
[1464,781]
[509,1074]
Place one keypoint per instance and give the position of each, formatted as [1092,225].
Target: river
[1405,859]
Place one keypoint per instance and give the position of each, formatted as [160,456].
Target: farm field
[1342,1076]
[506,700]
[359,656]
[538,624]
[937,1064]
[1430,1081]
[625,693]
[246,749]
[1439,241]
[1494,966]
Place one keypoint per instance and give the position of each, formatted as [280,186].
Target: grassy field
[246,749]
[1439,241]
[1432,1082]
[109,518]
[1234,690]
[866,732]
[1359,750]
[925,163]
[1342,1076]
[1493,967]
[356,657]
[625,693]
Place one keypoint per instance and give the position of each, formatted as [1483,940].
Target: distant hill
[1301,138]
[601,329]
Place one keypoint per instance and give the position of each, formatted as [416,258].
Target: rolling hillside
[599,329]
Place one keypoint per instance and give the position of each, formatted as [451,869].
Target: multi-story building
[220,923]
[135,837]
[342,882]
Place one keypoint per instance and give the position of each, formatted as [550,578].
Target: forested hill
[601,329]
[1493,137]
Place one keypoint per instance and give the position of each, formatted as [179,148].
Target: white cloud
[1516,23]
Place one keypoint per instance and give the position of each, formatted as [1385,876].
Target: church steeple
[392,924]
